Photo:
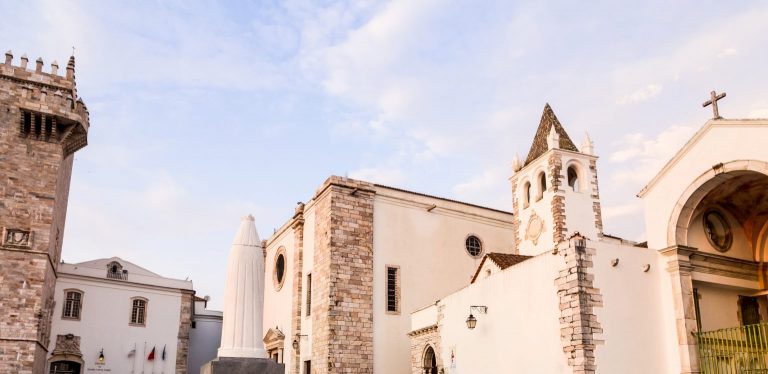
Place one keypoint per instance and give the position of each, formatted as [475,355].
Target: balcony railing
[742,349]
[117,275]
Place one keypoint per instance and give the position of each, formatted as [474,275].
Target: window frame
[79,306]
[308,300]
[541,180]
[480,243]
[396,291]
[145,309]
[278,283]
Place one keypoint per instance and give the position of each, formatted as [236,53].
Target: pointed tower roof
[539,145]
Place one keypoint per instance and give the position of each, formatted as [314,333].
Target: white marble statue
[242,330]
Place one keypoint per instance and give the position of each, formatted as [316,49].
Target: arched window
[542,185]
[138,311]
[526,194]
[430,361]
[73,302]
[573,179]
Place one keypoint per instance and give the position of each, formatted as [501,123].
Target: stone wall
[298,264]
[420,340]
[579,326]
[596,197]
[554,170]
[342,316]
[42,123]
[185,323]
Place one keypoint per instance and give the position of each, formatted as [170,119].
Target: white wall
[636,322]
[104,323]
[278,302]
[429,248]
[711,146]
[579,213]
[204,338]
[521,331]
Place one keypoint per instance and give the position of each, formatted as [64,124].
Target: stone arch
[581,175]
[429,360]
[677,226]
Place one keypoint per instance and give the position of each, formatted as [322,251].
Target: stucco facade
[107,326]
[675,304]
[350,233]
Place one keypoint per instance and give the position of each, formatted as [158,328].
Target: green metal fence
[742,349]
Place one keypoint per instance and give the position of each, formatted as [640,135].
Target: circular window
[474,247]
[278,276]
[717,230]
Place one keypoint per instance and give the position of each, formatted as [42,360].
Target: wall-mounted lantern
[471,320]
[101,356]
[296,338]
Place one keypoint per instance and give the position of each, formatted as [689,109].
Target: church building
[573,299]
[343,275]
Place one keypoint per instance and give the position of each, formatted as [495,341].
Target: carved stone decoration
[17,238]
[67,345]
[534,229]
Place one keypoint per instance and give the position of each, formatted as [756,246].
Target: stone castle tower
[42,124]
[554,190]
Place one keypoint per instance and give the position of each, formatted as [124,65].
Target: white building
[344,273]
[205,335]
[111,314]
[690,300]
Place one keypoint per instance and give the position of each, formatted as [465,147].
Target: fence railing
[734,350]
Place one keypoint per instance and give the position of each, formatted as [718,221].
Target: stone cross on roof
[714,97]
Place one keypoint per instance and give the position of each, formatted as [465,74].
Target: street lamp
[471,320]
[295,343]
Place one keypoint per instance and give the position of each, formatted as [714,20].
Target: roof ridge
[539,144]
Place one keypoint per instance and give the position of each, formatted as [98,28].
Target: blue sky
[202,112]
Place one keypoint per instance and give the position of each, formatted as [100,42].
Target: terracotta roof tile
[502,260]
[505,260]
[539,145]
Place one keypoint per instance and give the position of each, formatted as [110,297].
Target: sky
[204,111]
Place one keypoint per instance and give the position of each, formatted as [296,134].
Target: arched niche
[738,191]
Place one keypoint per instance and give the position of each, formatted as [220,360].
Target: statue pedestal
[242,365]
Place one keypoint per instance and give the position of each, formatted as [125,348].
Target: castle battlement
[49,108]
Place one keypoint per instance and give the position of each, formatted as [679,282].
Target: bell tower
[42,123]
[554,192]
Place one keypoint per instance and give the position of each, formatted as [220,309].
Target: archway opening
[430,361]
[64,367]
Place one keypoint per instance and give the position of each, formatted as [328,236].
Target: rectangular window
[309,294]
[393,293]
[139,312]
[72,305]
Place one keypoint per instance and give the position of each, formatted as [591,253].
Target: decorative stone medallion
[535,228]
[17,238]
[717,230]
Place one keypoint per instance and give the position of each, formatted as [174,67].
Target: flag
[163,356]
[151,356]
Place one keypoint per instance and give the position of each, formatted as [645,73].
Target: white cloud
[641,157]
[642,94]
